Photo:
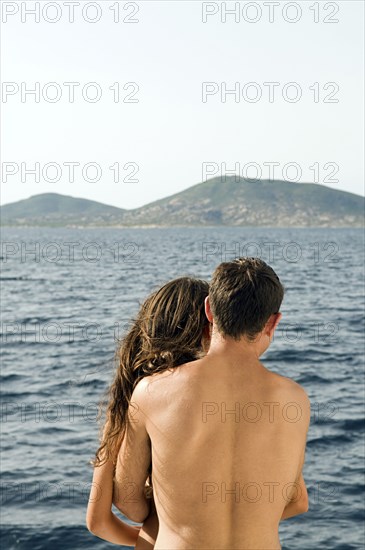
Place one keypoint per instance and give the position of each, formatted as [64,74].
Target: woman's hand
[149,530]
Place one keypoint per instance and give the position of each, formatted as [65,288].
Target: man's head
[244,295]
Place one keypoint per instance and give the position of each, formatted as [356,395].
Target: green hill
[261,202]
[214,202]
[55,209]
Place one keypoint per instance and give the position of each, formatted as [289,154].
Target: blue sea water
[68,293]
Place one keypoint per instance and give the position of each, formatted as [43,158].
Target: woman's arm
[100,519]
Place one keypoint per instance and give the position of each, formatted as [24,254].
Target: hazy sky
[309,121]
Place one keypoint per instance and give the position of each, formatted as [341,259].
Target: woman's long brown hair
[166,333]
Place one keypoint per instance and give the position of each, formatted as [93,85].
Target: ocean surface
[68,293]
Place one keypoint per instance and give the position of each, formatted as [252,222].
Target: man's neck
[229,347]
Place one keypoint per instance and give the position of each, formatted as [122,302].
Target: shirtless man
[226,436]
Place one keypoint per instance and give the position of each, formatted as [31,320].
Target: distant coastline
[213,203]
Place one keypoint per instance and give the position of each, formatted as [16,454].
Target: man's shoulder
[292,392]
[287,382]
[154,385]
[149,384]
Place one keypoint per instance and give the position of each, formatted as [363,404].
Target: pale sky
[164,138]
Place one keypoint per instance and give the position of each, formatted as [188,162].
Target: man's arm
[299,503]
[133,462]
[149,530]
[298,506]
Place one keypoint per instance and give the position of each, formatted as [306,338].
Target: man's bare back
[228,440]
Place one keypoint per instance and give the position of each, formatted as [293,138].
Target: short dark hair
[243,294]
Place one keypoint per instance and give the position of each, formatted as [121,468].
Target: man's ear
[208,311]
[274,323]
[271,324]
